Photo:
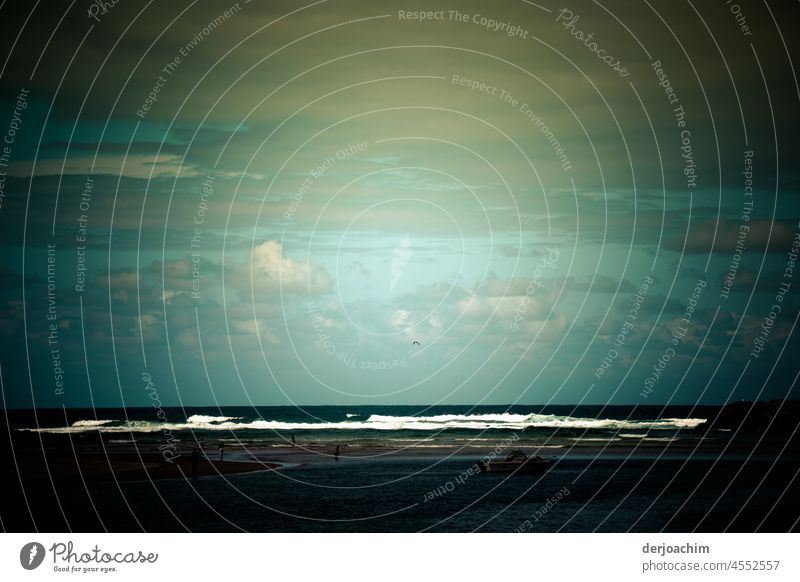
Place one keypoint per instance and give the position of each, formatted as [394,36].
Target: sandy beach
[114,465]
[61,458]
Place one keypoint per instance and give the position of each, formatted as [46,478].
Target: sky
[279,203]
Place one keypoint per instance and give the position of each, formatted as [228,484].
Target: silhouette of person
[336,454]
[195,461]
[221,450]
[294,444]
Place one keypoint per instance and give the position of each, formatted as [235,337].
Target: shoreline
[125,466]
[76,462]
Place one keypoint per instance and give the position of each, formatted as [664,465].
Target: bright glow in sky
[284,198]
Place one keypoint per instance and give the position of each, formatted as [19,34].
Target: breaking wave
[202,419]
[379,422]
[92,423]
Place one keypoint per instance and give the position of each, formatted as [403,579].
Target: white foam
[386,423]
[448,418]
[91,423]
[202,419]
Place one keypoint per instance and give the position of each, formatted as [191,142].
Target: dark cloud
[755,236]
[602,284]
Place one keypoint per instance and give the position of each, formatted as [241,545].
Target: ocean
[373,425]
[411,469]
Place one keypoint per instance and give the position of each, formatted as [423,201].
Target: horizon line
[9,408]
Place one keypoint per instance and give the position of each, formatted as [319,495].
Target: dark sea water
[646,469]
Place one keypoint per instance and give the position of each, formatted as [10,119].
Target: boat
[516,461]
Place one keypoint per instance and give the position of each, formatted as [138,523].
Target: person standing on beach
[294,444]
[221,450]
[195,460]
[336,454]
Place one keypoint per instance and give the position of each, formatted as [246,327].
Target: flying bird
[415,343]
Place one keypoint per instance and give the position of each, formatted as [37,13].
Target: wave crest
[384,423]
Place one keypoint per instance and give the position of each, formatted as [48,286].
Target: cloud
[746,280]
[652,305]
[272,271]
[123,284]
[253,326]
[755,236]
[439,291]
[133,166]
[358,268]
[603,284]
